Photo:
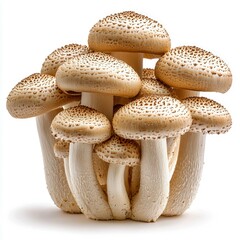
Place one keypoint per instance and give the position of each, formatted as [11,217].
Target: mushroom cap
[193,68]
[129,32]
[81,124]
[60,55]
[152,86]
[61,149]
[208,115]
[36,95]
[98,73]
[120,151]
[152,117]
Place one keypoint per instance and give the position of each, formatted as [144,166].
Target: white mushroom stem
[134,59]
[149,203]
[117,194]
[186,178]
[89,195]
[54,167]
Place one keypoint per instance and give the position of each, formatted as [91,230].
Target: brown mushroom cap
[61,149]
[120,151]
[152,117]
[98,73]
[193,68]
[81,124]
[208,115]
[36,95]
[129,32]
[60,55]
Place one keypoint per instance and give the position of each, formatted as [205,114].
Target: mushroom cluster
[120,141]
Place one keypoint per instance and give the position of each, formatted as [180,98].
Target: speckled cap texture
[120,151]
[36,95]
[129,32]
[208,115]
[61,149]
[60,55]
[192,68]
[81,124]
[152,117]
[98,73]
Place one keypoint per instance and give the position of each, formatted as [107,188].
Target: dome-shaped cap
[60,55]
[193,68]
[129,32]
[120,151]
[208,115]
[36,95]
[98,73]
[152,117]
[81,124]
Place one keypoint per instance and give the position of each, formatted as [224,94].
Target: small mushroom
[151,119]
[209,117]
[38,96]
[127,36]
[119,152]
[82,127]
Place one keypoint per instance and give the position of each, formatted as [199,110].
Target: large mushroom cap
[129,32]
[98,73]
[60,55]
[193,68]
[208,115]
[36,95]
[120,151]
[81,124]
[152,117]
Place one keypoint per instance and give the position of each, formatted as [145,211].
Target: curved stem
[187,175]
[149,203]
[54,167]
[117,194]
[86,189]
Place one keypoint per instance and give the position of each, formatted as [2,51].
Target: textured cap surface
[118,150]
[129,31]
[36,95]
[193,68]
[60,55]
[98,73]
[81,124]
[208,116]
[152,117]
[61,149]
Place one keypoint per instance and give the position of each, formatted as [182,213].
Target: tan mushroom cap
[151,86]
[193,68]
[129,32]
[81,124]
[36,95]
[61,149]
[98,73]
[152,117]
[120,151]
[60,55]
[208,115]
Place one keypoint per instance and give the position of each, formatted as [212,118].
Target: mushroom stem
[134,59]
[89,195]
[186,178]
[117,194]
[149,203]
[182,93]
[54,168]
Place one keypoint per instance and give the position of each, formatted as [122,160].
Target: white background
[30,30]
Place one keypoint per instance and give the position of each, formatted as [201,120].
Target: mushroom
[119,152]
[209,117]
[82,127]
[38,96]
[151,119]
[127,36]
